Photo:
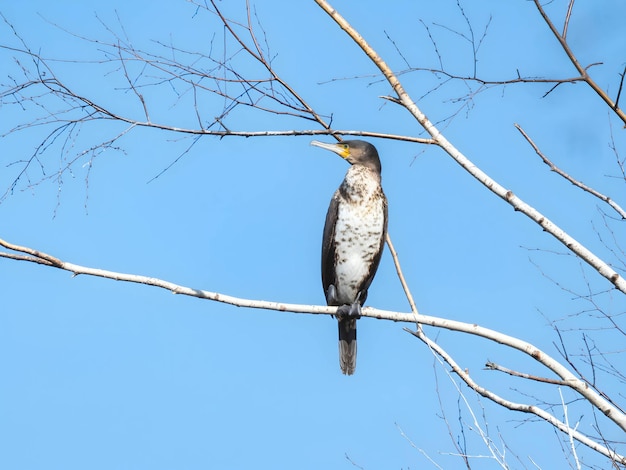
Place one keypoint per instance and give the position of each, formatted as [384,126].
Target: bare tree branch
[571,430]
[269,94]
[581,387]
[621,85]
[405,286]
[575,182]
[493,366]
[583,71]
[539,412]
[568,16]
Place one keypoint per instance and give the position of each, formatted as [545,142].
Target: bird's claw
[351,311]
[355,309]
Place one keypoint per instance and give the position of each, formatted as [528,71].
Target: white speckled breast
[359,230]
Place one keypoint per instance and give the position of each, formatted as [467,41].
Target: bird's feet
[351,311]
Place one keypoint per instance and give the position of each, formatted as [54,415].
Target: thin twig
[568,16]
[571,430]
[405,286]
[621,85]
[582,70]
[493,366]
[569,178]
[260,58]
[444,357]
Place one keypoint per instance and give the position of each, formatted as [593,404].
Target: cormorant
[354,235]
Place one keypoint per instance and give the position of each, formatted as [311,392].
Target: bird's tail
[347,345]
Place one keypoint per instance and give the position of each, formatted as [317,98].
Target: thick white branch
[568,378]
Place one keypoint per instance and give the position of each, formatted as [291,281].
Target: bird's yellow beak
[343,150]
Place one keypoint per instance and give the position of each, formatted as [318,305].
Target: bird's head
[356,152]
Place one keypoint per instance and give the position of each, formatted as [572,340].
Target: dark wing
[328,244]
[376,260]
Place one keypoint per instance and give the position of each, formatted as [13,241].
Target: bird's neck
[361,183]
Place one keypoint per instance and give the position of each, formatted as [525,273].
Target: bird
[353,240]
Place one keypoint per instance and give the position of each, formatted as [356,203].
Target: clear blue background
[101,374]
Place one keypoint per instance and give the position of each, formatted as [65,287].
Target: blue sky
[109,375]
